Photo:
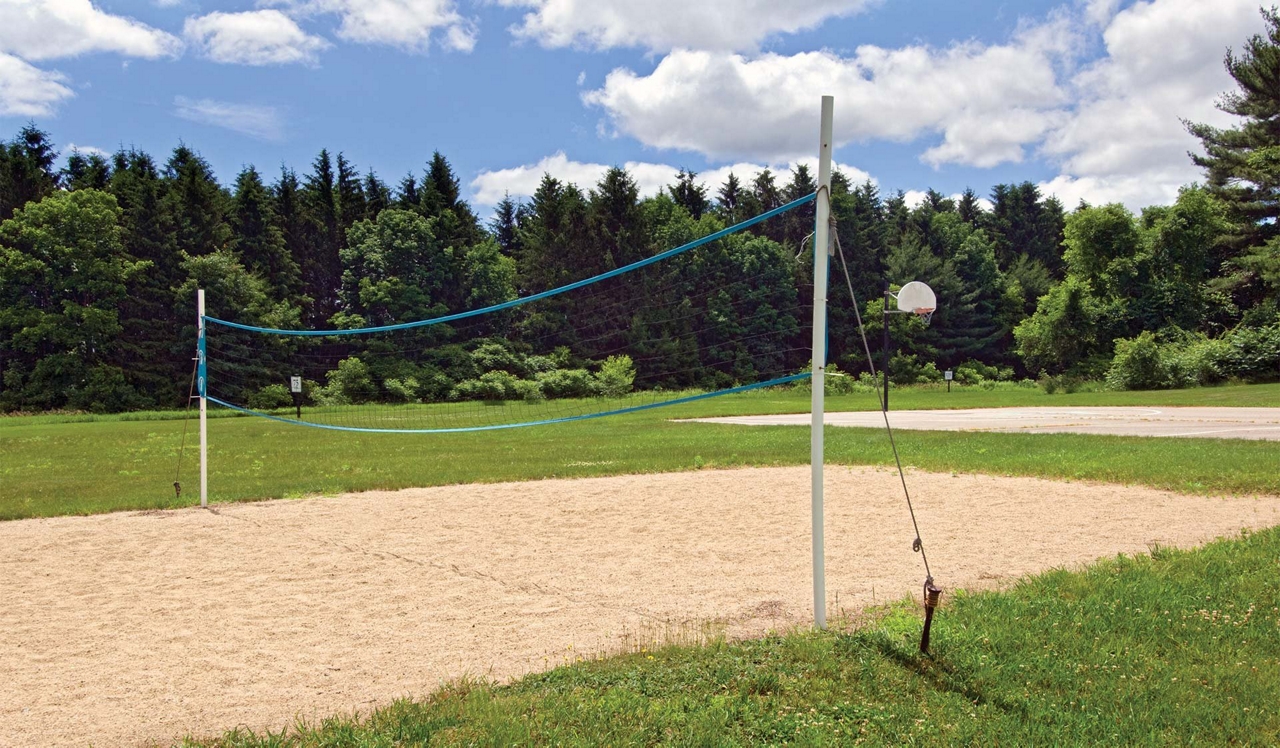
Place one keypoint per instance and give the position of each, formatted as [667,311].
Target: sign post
[948,375]
[295,389]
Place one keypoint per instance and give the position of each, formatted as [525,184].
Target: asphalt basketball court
[1222,423]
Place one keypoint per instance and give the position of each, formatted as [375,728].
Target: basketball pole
[204,402]
[821,251]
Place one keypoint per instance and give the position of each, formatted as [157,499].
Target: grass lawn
[1176,648]
[55,465]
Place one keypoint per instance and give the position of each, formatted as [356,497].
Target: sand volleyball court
[131,628]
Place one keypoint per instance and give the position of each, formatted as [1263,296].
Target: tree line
[99,262]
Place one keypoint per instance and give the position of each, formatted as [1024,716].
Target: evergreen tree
[407,195]
[1243,173]
[152,352]
[798,223]
[26,169]
[259,241]
[196,204]
[690,194]
[729,201]
[377,195]
[352,205]
[86,172]
[969,208]
[320,263]
[291,218]
[505,226]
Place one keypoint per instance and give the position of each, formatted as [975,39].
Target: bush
[530,391]
[567,383]
[402,390]
[349,383]
[492,386]
[270,397]
[616,376]
[1252,353]
[907,369]
[105,390]
[1139,364]
[493,356]
[1064,383]
[976,372]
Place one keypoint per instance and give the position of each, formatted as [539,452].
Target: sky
[1085,98]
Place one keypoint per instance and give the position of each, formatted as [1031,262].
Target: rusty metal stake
[931,595]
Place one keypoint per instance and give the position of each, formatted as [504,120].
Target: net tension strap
[931,591]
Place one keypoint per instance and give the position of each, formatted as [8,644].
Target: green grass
[1176,648]
[50,468]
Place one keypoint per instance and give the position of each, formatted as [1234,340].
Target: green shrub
[1253,353]
[270,397]
[492,386]
[494,356]
[907,369]
[616,376]
[567,383]
[105,390]
[349,383]
[1139,364]
[402,390]
[530,391]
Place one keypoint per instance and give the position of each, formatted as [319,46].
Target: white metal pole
[821,250]
[204,403]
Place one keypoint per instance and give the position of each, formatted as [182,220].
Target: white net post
[204,402]
[821,251]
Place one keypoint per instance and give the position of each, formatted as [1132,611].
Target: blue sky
[1081,96]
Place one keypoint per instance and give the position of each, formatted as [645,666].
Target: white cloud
[258,37]
[990,101]
[1125,141]
[47,29]
[405,24]
[261,122]
[663,25]
[28,91]
[521,181]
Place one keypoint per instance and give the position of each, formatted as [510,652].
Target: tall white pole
[821,250]
[204,403]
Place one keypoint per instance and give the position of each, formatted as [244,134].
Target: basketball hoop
[918,299]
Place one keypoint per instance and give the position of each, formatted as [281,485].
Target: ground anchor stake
[931,595]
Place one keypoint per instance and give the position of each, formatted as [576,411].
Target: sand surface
[133,627]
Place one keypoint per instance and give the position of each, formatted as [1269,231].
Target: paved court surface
[1224,423]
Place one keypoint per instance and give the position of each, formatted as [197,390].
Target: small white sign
[948,375]
[295,383]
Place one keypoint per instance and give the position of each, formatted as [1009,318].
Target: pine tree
[352,205]
[153,353]
[196,204]
[798,223]
[321,264]
[505,226]
[26,170]
[729,201]
[1243,173]
[690,194]
[407,195]
[969,208]
[286,196]
[82,172]
[259,241]
[377,195]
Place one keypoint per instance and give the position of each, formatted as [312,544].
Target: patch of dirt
[118,630]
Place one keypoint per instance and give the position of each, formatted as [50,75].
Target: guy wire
[919,543]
